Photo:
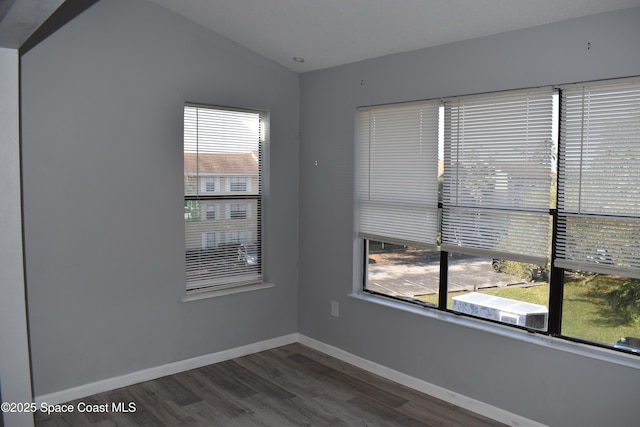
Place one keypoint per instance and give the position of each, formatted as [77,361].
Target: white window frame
[239,146]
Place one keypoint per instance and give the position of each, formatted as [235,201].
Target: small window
[209,184]
[238,211]
[237,237]
[222,147]
[211,212]
[209,240]
[238,184]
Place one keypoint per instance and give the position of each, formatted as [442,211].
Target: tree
[625,300]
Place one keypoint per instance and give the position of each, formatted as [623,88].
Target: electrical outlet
[335,309]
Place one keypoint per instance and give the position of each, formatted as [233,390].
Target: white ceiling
[327,33]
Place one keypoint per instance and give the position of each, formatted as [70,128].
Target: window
[237,237]
[211,212]
[598,243]
[457,207]
[222,145]
[496,198]
[238,211]
[209,240]
[239,184]
[398,192]
[497,175]
[210,184]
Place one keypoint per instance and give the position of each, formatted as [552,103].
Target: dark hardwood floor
[287,386]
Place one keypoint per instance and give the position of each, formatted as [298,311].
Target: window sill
[219,292]
[585,350]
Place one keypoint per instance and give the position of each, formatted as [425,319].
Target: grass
[585,315]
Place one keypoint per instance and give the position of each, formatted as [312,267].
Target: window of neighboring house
[480,244]
[238,211]
[237,237]
[226,143]
[238,184]
[209,240]
[210,184]
[211,212]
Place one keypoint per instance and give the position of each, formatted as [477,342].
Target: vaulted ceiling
[327,33]
[20,18]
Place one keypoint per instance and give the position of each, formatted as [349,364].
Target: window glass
[499,289]
[403,272]
[238,211]
[238,184]
[602,308]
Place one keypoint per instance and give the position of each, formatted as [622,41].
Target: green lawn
[586,314]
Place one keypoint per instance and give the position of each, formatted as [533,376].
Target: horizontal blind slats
[599,188]
[398,164]
[222,157]
[497,162]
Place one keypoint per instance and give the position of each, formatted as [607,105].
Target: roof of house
[221,163]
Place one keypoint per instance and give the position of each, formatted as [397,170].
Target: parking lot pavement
[412,280]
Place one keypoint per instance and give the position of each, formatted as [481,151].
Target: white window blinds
[222,220]
[398,169]
[599,181]
[497,180]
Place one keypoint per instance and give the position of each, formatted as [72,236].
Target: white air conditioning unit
[502,309]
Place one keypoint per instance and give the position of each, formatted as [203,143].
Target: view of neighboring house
[218,214]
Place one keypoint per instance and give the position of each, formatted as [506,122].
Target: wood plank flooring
[287,386]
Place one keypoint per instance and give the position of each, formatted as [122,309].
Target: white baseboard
[465,402]
[162,371]
[438,392]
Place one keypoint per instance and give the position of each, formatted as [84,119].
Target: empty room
[340,212]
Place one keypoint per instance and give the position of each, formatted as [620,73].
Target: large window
[222,190]
[598,234]
[523,207]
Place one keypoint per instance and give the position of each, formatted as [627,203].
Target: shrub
[625,300]
[517,270]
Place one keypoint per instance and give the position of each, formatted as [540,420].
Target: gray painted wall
[103,197]
[541,383]
[102,108]
[15,377]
